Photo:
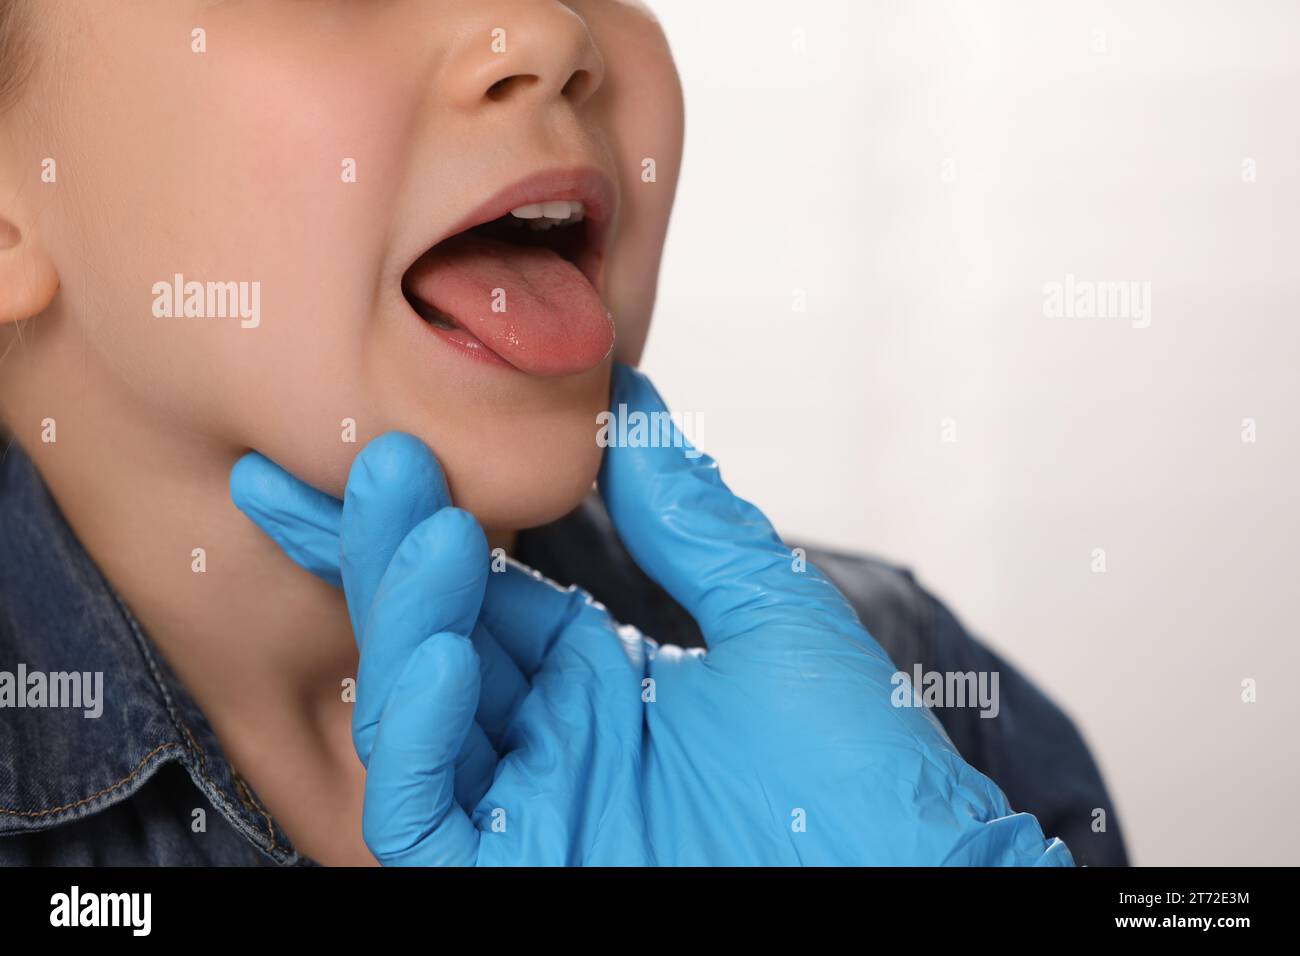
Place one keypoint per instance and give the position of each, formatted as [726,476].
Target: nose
[529,50]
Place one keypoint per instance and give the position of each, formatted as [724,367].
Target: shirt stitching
[253,805]
[179,721]
[94,796]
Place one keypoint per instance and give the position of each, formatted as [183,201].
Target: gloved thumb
[715,553]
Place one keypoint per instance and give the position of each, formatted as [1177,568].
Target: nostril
[577,86]
[505,88]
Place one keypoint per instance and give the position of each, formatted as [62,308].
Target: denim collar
[58,615]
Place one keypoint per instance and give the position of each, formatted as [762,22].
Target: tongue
[553,322]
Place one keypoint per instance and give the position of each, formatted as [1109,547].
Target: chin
[524,484]
[534,495]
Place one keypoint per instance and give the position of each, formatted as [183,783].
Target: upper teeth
[554,212]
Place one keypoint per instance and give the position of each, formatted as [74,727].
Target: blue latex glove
[410,565]
[780,745]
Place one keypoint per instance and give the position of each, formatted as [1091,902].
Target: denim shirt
[145,781]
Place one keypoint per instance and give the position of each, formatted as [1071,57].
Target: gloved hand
[410,565]
[780,745]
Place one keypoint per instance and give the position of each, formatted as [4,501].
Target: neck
[255,639]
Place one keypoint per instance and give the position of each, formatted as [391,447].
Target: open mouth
[517,284]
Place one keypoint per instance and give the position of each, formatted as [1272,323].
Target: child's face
[235,165]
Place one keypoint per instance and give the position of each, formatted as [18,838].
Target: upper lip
[585,184]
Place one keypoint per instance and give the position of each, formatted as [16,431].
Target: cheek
[246,168]
[647,143]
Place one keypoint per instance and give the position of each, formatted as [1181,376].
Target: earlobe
[28,279]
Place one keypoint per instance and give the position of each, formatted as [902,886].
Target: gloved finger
[579,732]
[715,553]
[304,522]
[434,583]
[411,817]
[503,687]
[395,483]
[476,767]
[526,613]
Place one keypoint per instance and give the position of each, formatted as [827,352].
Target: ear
[28,279]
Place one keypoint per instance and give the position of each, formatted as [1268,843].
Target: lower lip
[467,344]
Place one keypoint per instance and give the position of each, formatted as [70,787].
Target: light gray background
[1105,140]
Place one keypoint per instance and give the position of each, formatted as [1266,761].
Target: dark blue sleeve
[1031,749]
